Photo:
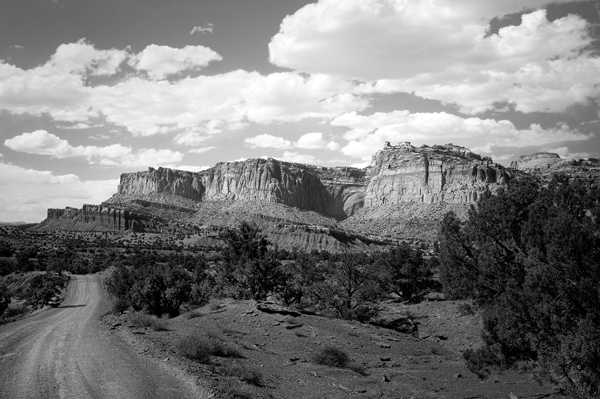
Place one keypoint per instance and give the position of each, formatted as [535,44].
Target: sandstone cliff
[442,173]
[97,217]
[546,164]
[336,192]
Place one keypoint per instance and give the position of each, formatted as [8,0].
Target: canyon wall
[336,192]
[429,175]
[98,217]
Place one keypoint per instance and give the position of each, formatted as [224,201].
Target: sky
[90,89]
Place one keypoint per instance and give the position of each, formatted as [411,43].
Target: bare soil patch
[278,351]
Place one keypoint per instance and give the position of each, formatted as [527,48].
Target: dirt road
[66,353]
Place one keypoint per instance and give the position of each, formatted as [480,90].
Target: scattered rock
[270,307]
[401,324]
[293,326]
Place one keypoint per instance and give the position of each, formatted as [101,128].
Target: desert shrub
[5,249]
[247,374]
[156,288]
[349,288]
[14,310]
[7,266]
[332,357]
[120,305]
[405,272]
[529,258]
[43,288]
[4,298]
[249,269]
[221,349]
[195,347]
[200,348]
[144,320]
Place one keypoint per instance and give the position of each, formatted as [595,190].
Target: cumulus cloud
[41,142]
[290,156]
[191,168]
[83,57]
[201,150]
[537,65]
[315,141]
[290,96]
[368,133]
[26,194]
[268,141]
[206,28]
[146,104]
[161,61]
[308,141]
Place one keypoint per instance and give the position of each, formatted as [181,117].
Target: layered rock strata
[547,164]
[441,173]
[337,192]
[99,217]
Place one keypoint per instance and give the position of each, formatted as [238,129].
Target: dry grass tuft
[144,320]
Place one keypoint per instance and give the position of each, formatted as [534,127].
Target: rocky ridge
[401,195]
[335,192]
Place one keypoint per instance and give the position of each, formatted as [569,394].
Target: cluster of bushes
[529,257]
[340,285]
[344,285]
[36,290]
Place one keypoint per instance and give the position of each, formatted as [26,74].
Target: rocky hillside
[334,192]
[546,164]
[442,173]
[402,195]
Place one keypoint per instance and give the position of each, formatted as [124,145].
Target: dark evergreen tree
[530,257]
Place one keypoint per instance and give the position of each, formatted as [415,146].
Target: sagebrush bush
[332,356]
[247,374]
[200,348]
[144,320]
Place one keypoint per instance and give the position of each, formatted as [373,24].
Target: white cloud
[292,97]
[190,138]
[26,194]
[208,27]
[290,156]
[83,57]
[201,150]
[368,133]
[268,141]
[315,141]
[439,50]
[161,61]
[41,142]
[191,168]
[209,104]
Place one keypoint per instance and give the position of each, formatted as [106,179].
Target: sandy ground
[280,348]
[67,352]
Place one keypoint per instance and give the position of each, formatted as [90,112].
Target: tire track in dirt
[66,353]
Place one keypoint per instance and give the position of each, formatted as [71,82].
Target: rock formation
[442,173]
[402,195]
[336,192]
[97,217]
[546,164]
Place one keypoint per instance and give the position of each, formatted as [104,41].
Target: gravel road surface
[66,353]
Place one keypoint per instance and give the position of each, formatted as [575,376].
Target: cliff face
[336,192]
[546,164]
[97,217]
[448,173]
